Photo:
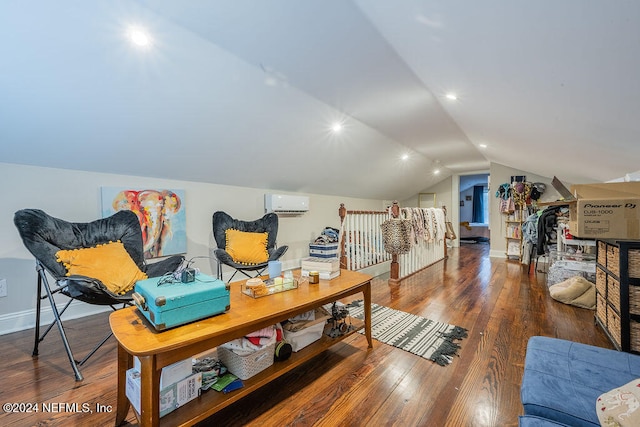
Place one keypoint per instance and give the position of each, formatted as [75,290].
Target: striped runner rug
[418,335]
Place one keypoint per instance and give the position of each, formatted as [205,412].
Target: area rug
[418,335]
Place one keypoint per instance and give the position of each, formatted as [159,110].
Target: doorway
[474,209]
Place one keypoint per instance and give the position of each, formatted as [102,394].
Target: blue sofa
[562,380]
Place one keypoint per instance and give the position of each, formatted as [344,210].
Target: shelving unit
[513,234]
[211,402]
[564,243]
[618,292]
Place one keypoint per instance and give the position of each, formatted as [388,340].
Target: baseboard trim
[377,269]
[21,320]
[497,254]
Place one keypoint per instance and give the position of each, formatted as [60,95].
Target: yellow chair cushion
[110,263]
[247,248]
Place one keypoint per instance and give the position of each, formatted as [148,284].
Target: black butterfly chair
[44,236]
[268,223]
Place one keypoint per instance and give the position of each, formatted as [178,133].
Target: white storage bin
[304,337]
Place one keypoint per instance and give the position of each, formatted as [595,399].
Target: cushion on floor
[576,291]
[562,379]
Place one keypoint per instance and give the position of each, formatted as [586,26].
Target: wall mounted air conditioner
[286,204]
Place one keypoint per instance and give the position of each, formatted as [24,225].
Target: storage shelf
[615,292]
[513,225]
[577,242]
[212,401]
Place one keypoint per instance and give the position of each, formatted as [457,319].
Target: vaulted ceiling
[246,92]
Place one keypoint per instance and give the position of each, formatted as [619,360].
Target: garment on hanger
[546,225]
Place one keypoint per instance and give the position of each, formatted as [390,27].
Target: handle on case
[139,301]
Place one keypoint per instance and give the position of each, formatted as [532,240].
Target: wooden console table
[159,349]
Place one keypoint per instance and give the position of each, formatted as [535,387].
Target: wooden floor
[496,300]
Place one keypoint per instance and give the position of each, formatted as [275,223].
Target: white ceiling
[244,92]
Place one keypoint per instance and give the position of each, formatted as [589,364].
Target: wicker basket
[602,253]
[634,299]
[244,367]
[613,325]
[613,259]
[634,263]
[635,335]
[613,292]
[601,281]
[601,309]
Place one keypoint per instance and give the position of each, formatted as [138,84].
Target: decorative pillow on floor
[620,407]
[110,263]
[576,291]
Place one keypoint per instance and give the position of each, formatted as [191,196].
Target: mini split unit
[286,204]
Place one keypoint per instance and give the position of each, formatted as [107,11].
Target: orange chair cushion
[247,248]
[110,263]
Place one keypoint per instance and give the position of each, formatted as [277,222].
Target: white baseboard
[378,269]
[497,254]
[21,320]
[292,264]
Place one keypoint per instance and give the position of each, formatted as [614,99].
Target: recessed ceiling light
[405,157]
[139,37]
[436,171]
[337,127]
[452,96]
[482,145]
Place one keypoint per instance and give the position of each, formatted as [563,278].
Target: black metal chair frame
[259,225]
[43,282]
[256,272]
[81,288]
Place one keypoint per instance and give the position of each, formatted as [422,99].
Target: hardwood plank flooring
[348,385]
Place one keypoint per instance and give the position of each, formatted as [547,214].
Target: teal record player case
[167,305]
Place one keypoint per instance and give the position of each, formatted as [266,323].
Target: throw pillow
[110,263]
[247,248]
[620,407]
[576,291]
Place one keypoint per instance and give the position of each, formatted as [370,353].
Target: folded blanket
[247,345]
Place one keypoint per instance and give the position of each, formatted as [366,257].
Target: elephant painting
[157,212]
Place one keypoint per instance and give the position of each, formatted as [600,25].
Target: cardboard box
[605,211]
[170,374]
[171,397]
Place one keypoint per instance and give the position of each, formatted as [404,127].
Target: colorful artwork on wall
[161,213]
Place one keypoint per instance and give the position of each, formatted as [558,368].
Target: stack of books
[328,268]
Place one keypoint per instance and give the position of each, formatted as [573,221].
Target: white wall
[75,196]
[466,211]
[444,191]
